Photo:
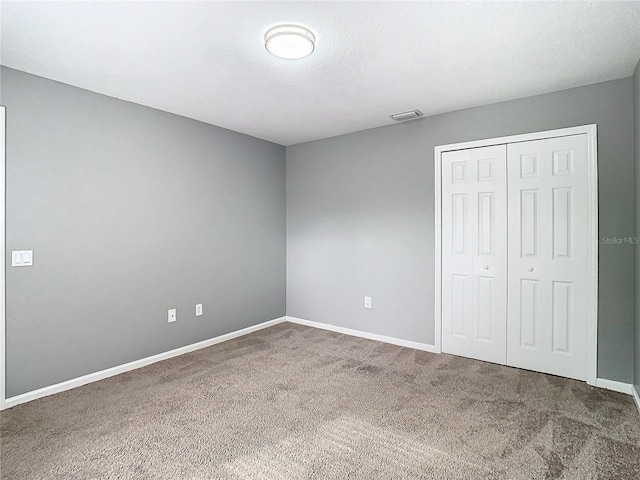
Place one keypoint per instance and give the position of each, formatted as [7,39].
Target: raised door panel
[459,224]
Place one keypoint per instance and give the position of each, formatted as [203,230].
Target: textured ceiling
[206,60]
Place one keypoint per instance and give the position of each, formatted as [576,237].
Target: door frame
[3,297]
[592,266]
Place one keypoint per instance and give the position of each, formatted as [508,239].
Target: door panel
[548,239]
[562,219]
[561,298]
[529,223]
[474,259]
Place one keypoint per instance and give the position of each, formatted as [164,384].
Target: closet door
[474,253]
[548,255]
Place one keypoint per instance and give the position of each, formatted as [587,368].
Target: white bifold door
[548,256]
[474,253]
[515,254]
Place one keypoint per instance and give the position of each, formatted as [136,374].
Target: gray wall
[636,115]
[360,216]
[131,211]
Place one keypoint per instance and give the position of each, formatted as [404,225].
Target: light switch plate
[172,315]
[21,258]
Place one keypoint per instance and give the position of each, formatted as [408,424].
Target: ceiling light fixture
[289,41]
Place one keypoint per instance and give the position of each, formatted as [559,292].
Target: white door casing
[548,255]
[563,290]
[474,253]
[3,375]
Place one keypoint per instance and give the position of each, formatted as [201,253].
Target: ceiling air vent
[410,115]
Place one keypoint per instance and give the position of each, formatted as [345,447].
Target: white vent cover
[410,115]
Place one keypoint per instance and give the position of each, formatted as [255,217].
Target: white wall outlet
[198,310]
[367,302]
[21,258]
[173,315]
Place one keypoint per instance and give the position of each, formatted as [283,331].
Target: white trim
[592,166]
[370,336]
[110,372]
[636,396]
[524,137]
[437,187]
[615,386]
[593,245]
[3,297]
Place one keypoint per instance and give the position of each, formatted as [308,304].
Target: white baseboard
[371,336]
[621,387]
[636,396]
[615,386]
[110,372]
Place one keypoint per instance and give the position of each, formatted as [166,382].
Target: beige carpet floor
[292,402]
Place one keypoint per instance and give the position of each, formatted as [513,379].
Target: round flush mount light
[289,41]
